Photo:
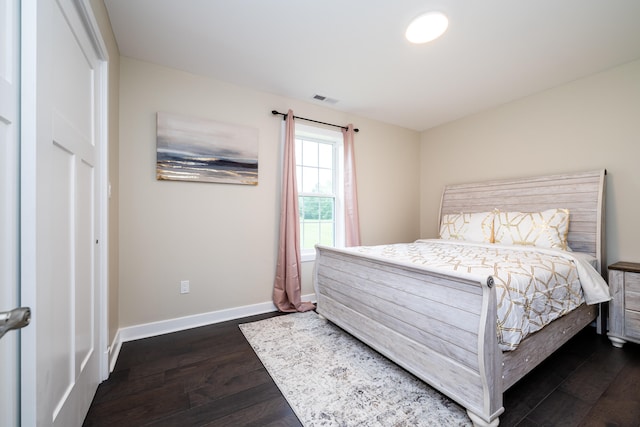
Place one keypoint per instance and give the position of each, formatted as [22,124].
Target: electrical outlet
[184,287]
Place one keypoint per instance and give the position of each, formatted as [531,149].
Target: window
[319,181]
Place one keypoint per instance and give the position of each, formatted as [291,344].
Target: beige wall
[222,237]
[102,18]
[591,123]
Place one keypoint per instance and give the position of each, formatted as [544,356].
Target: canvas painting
[193,149]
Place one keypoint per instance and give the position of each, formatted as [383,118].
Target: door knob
[14,319]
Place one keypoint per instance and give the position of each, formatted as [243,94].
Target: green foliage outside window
[318,208]
[316,221]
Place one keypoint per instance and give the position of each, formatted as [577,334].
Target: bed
[443,324]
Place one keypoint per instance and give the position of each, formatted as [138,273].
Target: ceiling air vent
[325,99]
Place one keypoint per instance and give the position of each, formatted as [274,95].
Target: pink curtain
[352,221]
[287,286]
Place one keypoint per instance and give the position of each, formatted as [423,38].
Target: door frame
[29,123]
[9,201]
[95,35]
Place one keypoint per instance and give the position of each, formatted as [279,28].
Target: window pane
[325,181]
[299,148]
[317,221]
[299,178]
[309,180]
[309,208]
[326,208]
[302,203]
[325,156]
[310,154]
[326,233]
[310,234]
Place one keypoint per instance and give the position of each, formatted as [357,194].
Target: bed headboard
[581,193]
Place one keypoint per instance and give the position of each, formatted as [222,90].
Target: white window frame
[319,134]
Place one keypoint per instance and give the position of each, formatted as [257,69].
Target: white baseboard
[153,329]
[114,351]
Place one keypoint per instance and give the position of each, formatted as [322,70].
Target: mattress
[533,286]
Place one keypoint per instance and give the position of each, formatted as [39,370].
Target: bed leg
[617,342]
[479,422]
[321,316]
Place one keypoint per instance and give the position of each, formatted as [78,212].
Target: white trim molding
[131,333]
[113,351]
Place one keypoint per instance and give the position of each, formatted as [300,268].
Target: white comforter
[534,286]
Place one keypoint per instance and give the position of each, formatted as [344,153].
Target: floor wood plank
[210,376]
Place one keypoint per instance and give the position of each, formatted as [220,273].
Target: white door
[9,155]
[62,265]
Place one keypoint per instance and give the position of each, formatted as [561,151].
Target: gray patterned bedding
[534,286]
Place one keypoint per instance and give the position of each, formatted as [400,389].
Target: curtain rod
[284,115]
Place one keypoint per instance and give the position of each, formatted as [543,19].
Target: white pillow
[546,229]
[470,227]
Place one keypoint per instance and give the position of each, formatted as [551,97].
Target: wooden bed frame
[442,328]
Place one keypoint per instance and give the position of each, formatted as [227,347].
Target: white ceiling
[354,51]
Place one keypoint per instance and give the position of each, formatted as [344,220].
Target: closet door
[62,105]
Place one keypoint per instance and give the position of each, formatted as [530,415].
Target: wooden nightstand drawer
[632,282]
[632,324]
[632,300]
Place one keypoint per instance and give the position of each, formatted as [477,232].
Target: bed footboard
[439,327]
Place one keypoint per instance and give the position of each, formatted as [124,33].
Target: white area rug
[331,379]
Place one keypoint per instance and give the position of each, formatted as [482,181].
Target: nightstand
[624,308]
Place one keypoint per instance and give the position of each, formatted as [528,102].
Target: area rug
[331,379]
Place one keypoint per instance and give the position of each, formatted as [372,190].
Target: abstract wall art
[193,149]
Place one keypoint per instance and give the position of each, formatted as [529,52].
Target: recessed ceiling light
[427,27]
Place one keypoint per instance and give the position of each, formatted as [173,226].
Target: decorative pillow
[547,229]
[470,227]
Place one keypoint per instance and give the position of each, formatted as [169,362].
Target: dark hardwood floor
[210,376]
